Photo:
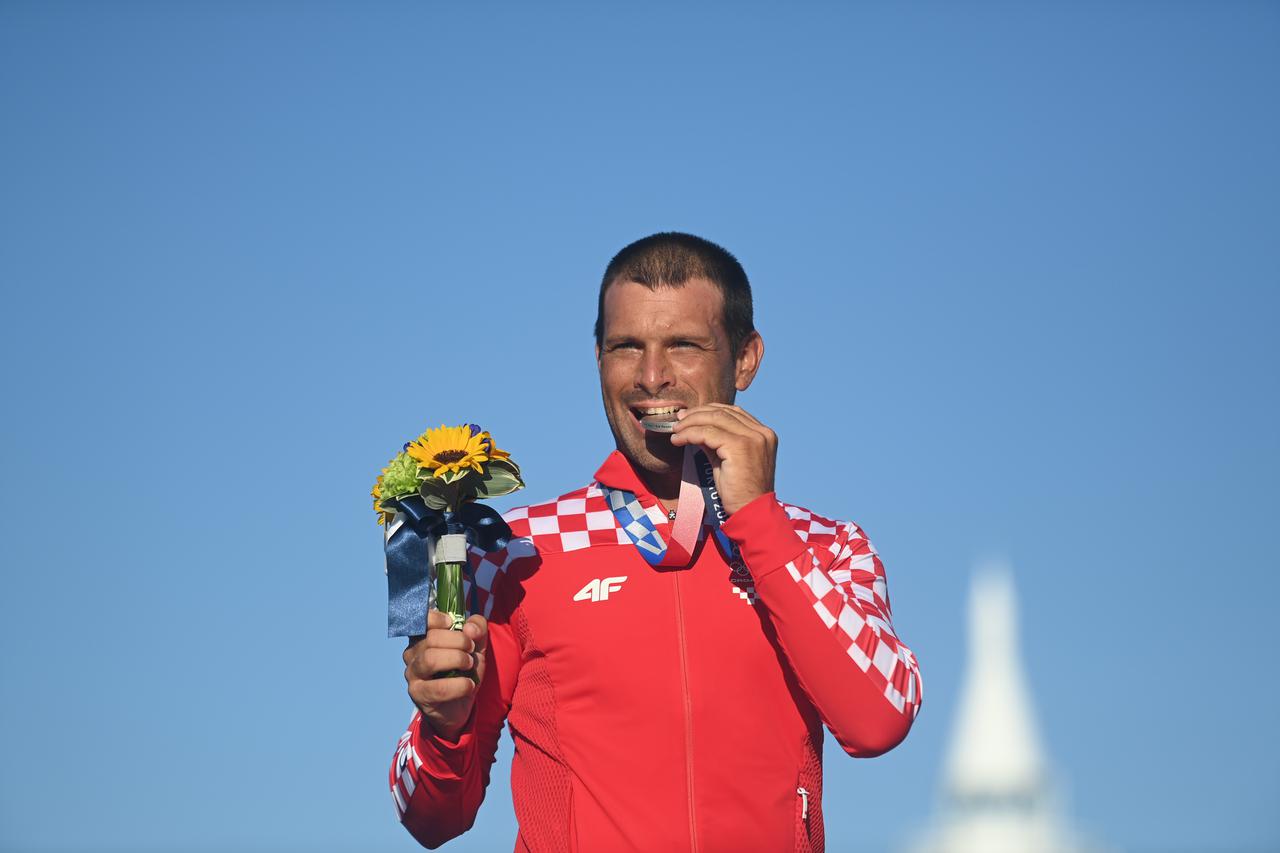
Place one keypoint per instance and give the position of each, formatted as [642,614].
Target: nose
[654,373]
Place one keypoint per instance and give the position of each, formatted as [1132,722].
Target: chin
[665,460]
[653,460]
[653,453]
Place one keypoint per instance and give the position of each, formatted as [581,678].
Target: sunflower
[451,452]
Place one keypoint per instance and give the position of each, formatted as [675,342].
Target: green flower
[400,477]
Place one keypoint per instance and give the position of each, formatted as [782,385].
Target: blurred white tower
[997,794]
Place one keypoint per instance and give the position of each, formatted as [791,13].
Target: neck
[664,487]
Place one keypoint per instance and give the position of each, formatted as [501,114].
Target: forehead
[693,308]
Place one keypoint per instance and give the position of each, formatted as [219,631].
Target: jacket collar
[616,473]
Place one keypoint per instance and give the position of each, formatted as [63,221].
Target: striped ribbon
[699,504]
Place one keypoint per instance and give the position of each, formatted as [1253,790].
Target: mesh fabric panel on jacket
[544,802]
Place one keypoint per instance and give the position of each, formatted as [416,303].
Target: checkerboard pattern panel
[577,520]
[741,582]
[843,579]
[813,529]
[746,590]
[401,779]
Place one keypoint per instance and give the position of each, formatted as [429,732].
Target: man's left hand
[743,452]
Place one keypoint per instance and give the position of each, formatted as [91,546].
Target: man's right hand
[446,703]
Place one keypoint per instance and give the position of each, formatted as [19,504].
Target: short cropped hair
[671,259]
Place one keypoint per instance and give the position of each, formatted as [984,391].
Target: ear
[597,355]
[748,361]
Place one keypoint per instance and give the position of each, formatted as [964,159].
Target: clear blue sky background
[1016,267]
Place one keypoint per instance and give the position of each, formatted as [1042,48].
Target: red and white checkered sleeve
[825,590]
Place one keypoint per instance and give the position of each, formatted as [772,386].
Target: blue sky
[1016,267]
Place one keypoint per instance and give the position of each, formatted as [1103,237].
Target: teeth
[666,410]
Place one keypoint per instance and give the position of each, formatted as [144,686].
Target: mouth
[656,418]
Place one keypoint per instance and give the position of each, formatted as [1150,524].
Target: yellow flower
[493,451]
[383,515]
[451,450]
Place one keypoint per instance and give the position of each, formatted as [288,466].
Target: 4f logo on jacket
[599,589]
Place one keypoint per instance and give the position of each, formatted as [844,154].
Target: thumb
[477,629]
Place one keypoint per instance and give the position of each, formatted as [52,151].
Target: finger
[739,416]
[446,638]
[770,437]
[438,619]
[429,662]
[732,420]
[712,407]
[437,661]
[476,628]
[436,638]
[411,651]
[441,690]
[716,436]
[724,419]
[740,413]
[712,438]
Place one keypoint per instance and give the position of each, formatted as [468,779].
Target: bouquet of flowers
[426,500]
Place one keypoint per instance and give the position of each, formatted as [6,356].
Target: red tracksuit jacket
[660,709]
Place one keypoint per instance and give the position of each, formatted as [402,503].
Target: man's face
[662,348]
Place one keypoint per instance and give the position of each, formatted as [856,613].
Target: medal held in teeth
[661,420]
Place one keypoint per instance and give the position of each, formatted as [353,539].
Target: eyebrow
[614,340]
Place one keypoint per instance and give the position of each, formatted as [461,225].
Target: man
[666,642]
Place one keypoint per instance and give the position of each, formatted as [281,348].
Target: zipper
[688,710]
[804,804]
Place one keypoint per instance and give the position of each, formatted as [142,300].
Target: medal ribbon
[699,504]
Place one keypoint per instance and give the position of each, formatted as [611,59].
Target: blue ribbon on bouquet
[408,568]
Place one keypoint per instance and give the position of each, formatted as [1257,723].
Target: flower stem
[450,599]
[449,593]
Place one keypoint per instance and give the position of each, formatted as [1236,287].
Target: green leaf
[437,502]
[434,487]
[455,476]
[465,491]
[386,497]
[506,464]
[499,480]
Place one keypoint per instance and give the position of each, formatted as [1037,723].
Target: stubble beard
[652,454]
